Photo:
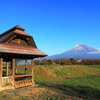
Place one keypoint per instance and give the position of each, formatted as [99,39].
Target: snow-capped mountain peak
[82,48]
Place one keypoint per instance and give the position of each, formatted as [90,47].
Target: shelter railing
[7,79]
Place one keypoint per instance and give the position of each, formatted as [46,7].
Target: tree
[37,62]
[44,62]
[50,61]
[64,61]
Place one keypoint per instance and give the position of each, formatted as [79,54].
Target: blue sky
[56,25]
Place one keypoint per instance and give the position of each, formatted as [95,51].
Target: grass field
[78,81]
[93,66]
[63,82]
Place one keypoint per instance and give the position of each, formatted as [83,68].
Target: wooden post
[7,67]
[1,62]
[16,70]
[13,71]
[25,68]
[13,67]
[32,62]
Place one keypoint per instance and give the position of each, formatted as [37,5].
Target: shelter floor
[24,91]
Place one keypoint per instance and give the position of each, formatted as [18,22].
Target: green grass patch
[92,66]
[73,80]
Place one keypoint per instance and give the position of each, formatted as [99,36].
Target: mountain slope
[80,51]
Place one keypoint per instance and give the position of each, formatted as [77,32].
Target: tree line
[68,61]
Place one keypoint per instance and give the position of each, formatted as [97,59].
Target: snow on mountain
[80,51]
[83,48]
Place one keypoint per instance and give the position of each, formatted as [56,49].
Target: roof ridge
[19,27]
[13,28]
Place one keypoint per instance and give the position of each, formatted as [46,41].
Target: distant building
[79,60]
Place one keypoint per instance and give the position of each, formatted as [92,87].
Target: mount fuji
[80,51]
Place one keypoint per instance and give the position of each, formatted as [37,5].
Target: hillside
[77,82]
[65,71]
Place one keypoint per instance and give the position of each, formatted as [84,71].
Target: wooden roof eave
[10,48]
[20,56]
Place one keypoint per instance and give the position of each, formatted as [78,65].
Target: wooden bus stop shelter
[17,51]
